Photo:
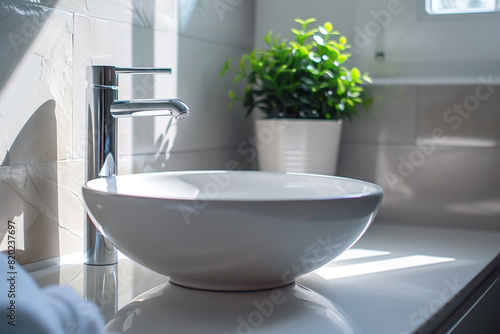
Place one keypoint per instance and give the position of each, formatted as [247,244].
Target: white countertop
[391,281]
[418,271]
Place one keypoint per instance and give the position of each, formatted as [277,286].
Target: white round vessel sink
[231,230]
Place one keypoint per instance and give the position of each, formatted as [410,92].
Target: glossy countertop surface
[391,281]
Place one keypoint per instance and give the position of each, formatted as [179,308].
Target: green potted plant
[305,90]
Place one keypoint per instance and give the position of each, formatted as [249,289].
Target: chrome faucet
[103,107]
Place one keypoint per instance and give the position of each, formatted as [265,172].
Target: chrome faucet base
[98,251]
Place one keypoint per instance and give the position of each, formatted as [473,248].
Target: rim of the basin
[377,190]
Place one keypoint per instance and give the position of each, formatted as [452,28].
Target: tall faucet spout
[103,107]
[134,108]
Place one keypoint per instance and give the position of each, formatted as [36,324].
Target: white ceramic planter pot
[296,145]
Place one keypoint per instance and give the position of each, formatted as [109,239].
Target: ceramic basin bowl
[231,230]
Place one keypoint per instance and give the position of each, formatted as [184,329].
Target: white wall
[279,15]
[423,48]
[210,32]
[432,136]
[45,48]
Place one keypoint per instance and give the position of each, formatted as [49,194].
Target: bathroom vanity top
[395,279]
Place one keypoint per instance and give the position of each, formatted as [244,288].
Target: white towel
[25,308]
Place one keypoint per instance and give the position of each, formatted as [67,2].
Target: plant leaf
[242,64]
[355,74]
[342,58]
[318,39]
[322,31]
[340,87]
[309,20]
[314,57]
[226,67]
[238,78]
[367,78]
[304,78]
[353,94]
[268,37]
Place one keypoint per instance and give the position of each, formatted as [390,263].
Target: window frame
[423,15]
[428,11]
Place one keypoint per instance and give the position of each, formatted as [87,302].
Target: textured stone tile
[35,83]
[159,15]
[71,212]
[44,200]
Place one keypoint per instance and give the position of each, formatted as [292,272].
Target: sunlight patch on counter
[405,262]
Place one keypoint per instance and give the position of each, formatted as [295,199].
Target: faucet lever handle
[142,70]
[107,76]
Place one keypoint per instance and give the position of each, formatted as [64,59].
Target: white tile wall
[36,129]
[469,115]
[390,119]
[117,48]
[45,48]
[418,46]
[224,22]
[437,166]
[156,15]
[36,50]
[445,186]
[441,165]
[202,85]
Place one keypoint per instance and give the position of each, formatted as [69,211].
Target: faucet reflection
[100,285]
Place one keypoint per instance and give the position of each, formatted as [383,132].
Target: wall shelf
[430,81]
